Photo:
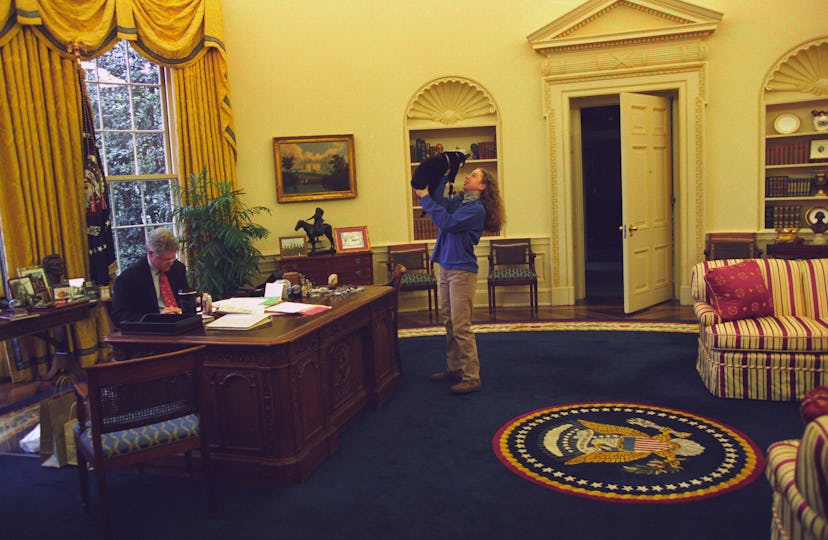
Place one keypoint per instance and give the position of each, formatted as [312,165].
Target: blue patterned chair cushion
[119,443]
[414,279]
[512,274]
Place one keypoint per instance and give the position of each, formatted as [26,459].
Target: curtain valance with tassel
[168,32]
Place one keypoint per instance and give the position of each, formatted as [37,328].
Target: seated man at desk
[152,284]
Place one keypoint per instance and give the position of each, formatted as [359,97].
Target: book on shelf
[790,153]
[786,186]
[424,228]
[486,150]
[783,217]
[239,321]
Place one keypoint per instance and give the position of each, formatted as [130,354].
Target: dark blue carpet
[423,467]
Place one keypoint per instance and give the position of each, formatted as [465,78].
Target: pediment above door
[621,23]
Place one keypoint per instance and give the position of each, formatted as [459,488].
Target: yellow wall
[323,67]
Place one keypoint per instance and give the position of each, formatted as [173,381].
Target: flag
[98,224]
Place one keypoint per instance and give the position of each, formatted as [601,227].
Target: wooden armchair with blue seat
[419,271]
[140,410]
[512,263]
[797,471]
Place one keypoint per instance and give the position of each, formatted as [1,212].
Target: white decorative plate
[811,215]
[786,123]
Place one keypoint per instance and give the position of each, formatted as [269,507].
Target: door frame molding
[562,94]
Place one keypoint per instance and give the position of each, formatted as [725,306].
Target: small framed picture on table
[40,283]
[293,246]
[352,239]
[21,289]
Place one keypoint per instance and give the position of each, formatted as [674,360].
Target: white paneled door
[646,209]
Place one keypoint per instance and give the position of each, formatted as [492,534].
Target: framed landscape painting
[314,168]
[293,246]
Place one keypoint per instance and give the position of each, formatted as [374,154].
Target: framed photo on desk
[21,288]
[40,282]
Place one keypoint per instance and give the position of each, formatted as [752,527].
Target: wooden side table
[797,251]
[352,268]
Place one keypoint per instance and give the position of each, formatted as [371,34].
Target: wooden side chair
[395,281]
[419,271]
[511,263]
[139,410]
[731,246]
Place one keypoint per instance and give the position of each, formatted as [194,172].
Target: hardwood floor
[669,311]
[588,311]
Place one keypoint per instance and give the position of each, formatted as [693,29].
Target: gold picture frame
[352,239]
[291,247]
[314,168]
[40,282]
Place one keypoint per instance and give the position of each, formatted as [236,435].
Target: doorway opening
[601,162]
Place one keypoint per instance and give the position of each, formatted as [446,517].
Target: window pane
[91,69]
[151,159]
[92,90]
[146,101]
[131,244]
[142,70]
[120,158]
[115,107]
[158,199]
[112,66]
[126,202]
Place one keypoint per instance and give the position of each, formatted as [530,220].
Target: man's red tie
[166,290]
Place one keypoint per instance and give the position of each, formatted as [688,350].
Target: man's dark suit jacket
[133,294]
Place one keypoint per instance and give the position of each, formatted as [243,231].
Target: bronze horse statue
[315,232]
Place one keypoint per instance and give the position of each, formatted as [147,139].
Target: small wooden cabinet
[352,268]
[791,250]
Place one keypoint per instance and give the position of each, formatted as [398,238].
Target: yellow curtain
[41,167]
[199,119]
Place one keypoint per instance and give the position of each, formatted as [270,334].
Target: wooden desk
[55,319]
[792,250]
[280,395]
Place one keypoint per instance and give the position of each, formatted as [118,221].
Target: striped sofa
[796,470]
[777,357]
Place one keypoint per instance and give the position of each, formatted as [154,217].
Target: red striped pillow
[739,291]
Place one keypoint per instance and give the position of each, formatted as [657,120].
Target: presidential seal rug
[628,452]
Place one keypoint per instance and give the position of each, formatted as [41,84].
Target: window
[129,102]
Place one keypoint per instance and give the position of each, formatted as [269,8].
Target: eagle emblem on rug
[627,452]
[594,442]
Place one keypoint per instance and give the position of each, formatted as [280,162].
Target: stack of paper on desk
[297,307]
[239,321]
[244,304]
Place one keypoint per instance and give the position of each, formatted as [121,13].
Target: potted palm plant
[218,235]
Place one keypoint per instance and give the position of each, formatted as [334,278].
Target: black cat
[430,171]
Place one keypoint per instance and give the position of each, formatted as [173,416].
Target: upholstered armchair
[798,473]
